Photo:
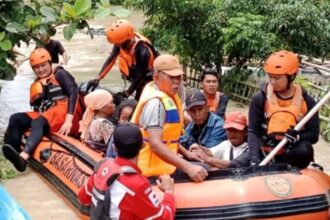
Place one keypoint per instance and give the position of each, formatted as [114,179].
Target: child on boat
[124,113]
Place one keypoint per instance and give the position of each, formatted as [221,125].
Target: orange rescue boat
[265,192]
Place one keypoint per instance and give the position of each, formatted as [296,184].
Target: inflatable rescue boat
[264,192]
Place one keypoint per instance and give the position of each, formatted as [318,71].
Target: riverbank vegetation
[239,33]
[23,20]
[214,32]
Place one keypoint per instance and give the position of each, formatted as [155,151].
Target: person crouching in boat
[233,152]
[117,190]
[276,109]
[160,117]
[206,128]
[95,127]
[53,97]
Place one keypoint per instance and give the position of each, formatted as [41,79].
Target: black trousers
[300,155]
[21,122]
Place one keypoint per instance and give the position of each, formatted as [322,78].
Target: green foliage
[117,2]
[190,29]
[303,26]
[326,131]
[6,169]
[21,20]
[203,32]
[245,36]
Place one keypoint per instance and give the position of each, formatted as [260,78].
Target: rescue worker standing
[55,48]
[160,117]
[117,190]
[136,55]
[53,97]
[276,109]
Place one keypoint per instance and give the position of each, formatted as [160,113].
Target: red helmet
[38,56]
[120,31]
[282,63]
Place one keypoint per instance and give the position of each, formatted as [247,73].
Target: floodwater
[87,55]
[86,58]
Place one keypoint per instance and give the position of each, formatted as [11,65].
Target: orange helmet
[120,31]
[282,63]
[38,56]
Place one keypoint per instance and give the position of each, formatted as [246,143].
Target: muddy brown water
[86,58]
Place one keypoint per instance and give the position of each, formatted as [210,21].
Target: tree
[203,32]
[22,21]
[303,26]
[190,29]
[245,36]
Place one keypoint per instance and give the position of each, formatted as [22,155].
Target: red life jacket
[105,173]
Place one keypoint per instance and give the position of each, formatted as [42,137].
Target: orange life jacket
[45,92]
[213,104]
[283,114]
[149,162]
[127,58]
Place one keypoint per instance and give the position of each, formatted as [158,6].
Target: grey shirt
[153,115]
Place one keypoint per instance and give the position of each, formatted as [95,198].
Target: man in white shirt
[232,152]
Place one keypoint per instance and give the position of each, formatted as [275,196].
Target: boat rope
[73,159]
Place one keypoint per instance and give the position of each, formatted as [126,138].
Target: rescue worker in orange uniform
[136,55]
[276,109]
[53,97]
[160,116]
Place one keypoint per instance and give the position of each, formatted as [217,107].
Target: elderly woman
[95,127]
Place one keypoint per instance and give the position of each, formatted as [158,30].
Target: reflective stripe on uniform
[97,194]
[118,192]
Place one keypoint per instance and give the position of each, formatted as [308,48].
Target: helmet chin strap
[290,80]
[127,44]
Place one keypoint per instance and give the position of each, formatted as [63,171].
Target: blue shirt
[212,134]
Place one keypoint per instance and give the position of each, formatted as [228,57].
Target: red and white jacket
[131,197]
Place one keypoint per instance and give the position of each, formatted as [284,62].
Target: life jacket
[45,92]
[105,173]
[213,104]
[149,162]
[283,114]
[127,58]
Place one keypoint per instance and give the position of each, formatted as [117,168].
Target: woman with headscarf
[95,127]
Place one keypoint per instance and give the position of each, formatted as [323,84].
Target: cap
[235,120]
[127,135]
[195,98]
[169,64]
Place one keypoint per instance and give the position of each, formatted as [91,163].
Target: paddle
[297,128]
